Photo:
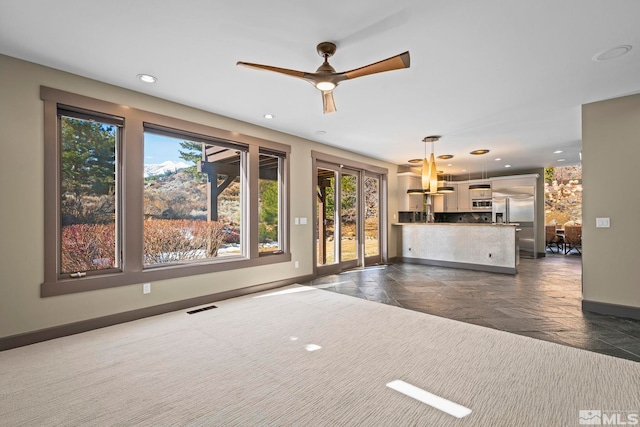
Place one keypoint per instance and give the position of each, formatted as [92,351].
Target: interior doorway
[563,210]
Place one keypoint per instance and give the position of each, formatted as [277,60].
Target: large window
[192,198]
[270,203]
[89,229]
[132,196]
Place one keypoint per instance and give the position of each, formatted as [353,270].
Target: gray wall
[21,217]
[610,155]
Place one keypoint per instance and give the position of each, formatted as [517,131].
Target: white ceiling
[509,76]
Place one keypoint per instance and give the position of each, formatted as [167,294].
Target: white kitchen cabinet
[464,198]
[481,194]
[409,202]
[447,202]
[513,181]
[437,203]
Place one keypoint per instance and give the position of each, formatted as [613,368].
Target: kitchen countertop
[464,224]
[474,246]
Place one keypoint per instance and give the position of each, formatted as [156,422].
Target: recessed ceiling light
[147,78]
[507,166]
[561,160]
[321,132]
[479,152]
[449,164]
[557,152]
[497,159]
[446,156]
[614,52]
[269,116]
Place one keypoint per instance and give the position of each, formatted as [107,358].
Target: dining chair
[552,238]
[572,238]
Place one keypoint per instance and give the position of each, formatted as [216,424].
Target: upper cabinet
[409,202]
[462,199]
[480,193]
[514,181]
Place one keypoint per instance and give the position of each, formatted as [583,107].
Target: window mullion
[252,179]
[133,196]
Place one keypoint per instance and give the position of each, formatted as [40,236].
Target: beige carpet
[246,363]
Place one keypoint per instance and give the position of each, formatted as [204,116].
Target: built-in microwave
[481,204]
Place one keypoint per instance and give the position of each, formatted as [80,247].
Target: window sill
[92,283]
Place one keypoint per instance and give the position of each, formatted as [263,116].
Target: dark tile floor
[542,301]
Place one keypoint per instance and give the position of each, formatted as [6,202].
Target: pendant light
[482,186]
[444,189]
[425,169]
[429,170]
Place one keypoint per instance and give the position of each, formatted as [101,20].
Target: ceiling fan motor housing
[326,49]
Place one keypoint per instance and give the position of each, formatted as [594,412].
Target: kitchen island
[472,246]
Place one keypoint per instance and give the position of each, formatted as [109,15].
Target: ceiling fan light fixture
[324,86]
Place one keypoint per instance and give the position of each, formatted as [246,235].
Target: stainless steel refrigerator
[516,205]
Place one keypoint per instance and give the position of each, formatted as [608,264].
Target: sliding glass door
[347,218]
[326,214]
[372,223]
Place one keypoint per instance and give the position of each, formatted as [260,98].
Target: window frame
[281,199]
[243,149]
[130,163]
[118,122]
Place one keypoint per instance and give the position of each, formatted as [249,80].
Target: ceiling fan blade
[394,63]
[328,105]
[288,72]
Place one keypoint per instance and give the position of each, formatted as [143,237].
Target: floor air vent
[198,310]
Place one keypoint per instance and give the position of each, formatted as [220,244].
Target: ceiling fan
[326,79]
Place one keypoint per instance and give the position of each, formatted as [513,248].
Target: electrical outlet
[603,222]
[296,264]
[146,288]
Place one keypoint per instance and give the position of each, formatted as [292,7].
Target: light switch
[303,220]
[603,223]
[296,221]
